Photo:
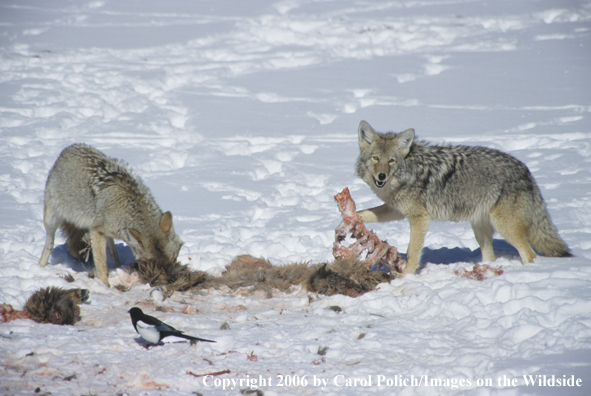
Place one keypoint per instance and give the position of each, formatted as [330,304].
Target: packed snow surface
[241,118]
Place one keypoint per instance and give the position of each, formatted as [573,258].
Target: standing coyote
[96,198]
[490,189]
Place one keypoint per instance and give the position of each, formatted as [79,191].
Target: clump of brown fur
[170,274]
[260,274]
[56,305]
[349,277]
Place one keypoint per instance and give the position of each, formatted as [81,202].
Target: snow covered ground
[241,118]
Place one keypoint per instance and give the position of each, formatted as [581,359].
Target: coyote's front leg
[380,214]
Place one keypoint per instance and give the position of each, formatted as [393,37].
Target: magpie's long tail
[188,337]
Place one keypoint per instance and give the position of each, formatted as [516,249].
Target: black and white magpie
[154,330]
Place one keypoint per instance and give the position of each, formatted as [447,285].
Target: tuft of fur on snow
[56,305]
[166,273]
[349,277]
[260,274]
[170,275]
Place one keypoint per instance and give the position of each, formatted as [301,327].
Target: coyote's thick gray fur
[94,198]
[486,187]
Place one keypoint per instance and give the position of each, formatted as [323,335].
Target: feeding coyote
[96,198]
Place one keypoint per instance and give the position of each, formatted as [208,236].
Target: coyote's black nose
[382,176]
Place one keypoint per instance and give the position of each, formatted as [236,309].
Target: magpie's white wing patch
[148,332]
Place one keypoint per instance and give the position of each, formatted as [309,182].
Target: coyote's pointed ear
[137,236]
[166,222]
[366,135]
[405,140]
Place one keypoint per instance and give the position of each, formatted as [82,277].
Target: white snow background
[241,118]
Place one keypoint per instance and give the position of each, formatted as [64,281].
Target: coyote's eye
[392,160]
[375,158]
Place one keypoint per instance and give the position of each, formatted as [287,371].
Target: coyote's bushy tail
[77,240]
[543,234]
